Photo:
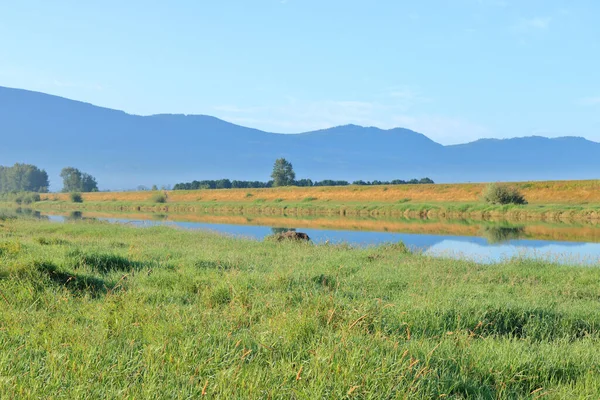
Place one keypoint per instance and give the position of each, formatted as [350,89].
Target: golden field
[547,192]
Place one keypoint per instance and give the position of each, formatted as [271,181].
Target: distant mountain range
[123,150]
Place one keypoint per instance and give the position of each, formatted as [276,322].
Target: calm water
[505,242]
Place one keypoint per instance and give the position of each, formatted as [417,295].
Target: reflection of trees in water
[277,231]
[503,233]
[78,216]
[159,217]
[30,213]
[75,216]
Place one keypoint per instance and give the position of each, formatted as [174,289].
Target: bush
[76,197]
[27,198]
[501,194]
[31,198]
[159,198]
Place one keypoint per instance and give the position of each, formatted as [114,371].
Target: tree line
[23,178]
[237,184]
[283,175]
[30,178]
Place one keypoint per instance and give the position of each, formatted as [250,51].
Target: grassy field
[551,192]
[92,310]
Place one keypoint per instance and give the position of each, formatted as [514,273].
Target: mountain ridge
[123,150]
[350,125]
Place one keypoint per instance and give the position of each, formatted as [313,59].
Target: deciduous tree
[76,181]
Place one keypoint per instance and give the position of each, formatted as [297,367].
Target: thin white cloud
[295,116]
[590,101]
[444,129]
[238,110]
[539,22]
[405,97]
[532,24]
[405,94]
[494,3]
[77,85]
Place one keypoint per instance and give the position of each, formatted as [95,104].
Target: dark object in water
[291,235]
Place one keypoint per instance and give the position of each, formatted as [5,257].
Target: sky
[455,70]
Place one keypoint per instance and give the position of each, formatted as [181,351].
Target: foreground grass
[92,310]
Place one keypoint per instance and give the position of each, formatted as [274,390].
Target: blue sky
[455,70]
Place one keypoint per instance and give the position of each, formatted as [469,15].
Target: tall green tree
[23,178]
[283,173]
[76,181]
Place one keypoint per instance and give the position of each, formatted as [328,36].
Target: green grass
[93,310]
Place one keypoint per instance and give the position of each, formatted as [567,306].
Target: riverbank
[571,193]
[548,201]
[473,211]
[495,231]
[103,310]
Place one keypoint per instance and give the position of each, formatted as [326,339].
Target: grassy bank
[315,207]
[550,192]
[92,310]
[567,200]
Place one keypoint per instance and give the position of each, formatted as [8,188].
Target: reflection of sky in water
[560,252]
[465,247]
[56,218]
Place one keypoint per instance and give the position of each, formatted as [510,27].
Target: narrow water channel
[486,244]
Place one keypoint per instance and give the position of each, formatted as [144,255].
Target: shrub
[501,194]
[27,198]
[76,197]
[159,198]
[31,198]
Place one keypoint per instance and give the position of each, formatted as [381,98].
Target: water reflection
[75,216]
[78,216]
[502,233]
[277,231]
[481,241]
[30,213]
[159,217]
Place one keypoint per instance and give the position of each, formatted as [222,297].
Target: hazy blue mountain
[124,150]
